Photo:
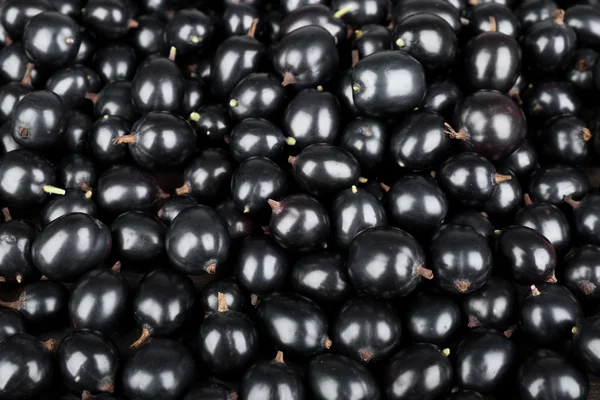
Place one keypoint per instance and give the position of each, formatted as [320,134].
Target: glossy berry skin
[158,86]
[291,61]
[358,327]
[195,95]
[77,172]
[580,73]
[148,37]
[548,99]
[259,95]
[419,142]
[505,20]
[343,91]
[322,277]
[99,301]
[397,258]
[417,205]
[88,361]
[455,267]
[189,31]
[211,391]
[468,178]
[314,173]
[7,143]
[580,271]
[16,14]
[237,345]
[428,38]
[257,180]
[493,306]
[71,246]
[551,378]
[235,58]
[474,219]
[532,12]
[507,198]
[584,337]
[15,253]
[207,176]
[173,206]
[302,332]
[10,94]
[37,120]
[584,213]
[421,370]
[256,137]
[262,266]
[328,376]
[566,141]
[441,8]
[112,100]
[24,175]
[138,237]
[483,359]
[21,354]
[366,139]
[311,117]
[502,65]
[235,297]
[552,184]
[371,39]
[77,128]
[299,223]
[549,221]
[314,15]
[432,318]
[161,356]
[51,39]
[238,224]
[530,257]
[548,314]
[490,124]
[267,380]
[352,211]
[161,140]
[209,246]
[108,19]
[42,303]
[11,323]
[125,188]
[116,62]
[163,301]
[549,59]
[390,94]
[583,19]
[465,395]
[73,201]
[101,137]
[441,97]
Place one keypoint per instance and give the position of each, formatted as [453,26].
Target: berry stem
[221,303]
[142,339]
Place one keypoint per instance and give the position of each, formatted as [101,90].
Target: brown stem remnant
[6,213]
[581,65]
[559,17]
[569,200]
[143,337]
[535,291]
[26,81]
[462,286]
[132,23]
[499,178]
[460,135]
[527,199]
[93,97]
[128,139]
[587,287]
[49,344]
[328,343]
[185,189]
[288,79]
[116,267]
[473,322]
[551,278]
[212,269]
[221,303]
[275,206]
[493,26]
[424,272]
[252,30]
[384,187]
[587,134]
[279,357]
[172,53]
[292,160]
[107,387]
[355,57]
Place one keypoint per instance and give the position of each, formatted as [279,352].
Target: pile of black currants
[299,199]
